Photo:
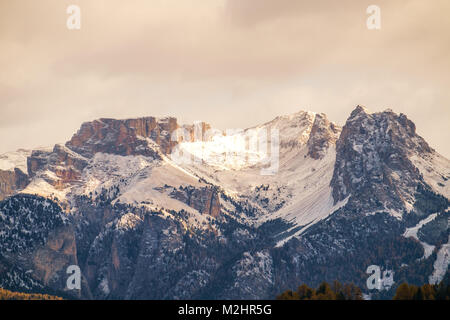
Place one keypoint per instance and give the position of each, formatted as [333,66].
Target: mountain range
[149,208]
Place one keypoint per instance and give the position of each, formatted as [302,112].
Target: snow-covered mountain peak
[142,224]
[358,111]
[294,129]
[380,161]
[304,128]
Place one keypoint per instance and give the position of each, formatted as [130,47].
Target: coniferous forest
[338,291]
[10,295]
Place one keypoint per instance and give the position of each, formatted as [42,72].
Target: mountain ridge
[148,193]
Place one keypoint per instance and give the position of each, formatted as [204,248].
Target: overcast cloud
[233,63]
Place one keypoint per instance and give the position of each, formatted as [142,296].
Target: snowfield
[441,264]
[16,159]
[412,232]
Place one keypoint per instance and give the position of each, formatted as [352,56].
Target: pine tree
[428,292]
[418,295]
[324,292]
[304,292]
[404,292]
[288,295]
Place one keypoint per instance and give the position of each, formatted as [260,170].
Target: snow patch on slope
[260,263]
[140,181]
[42,188]
[105,170]
[412,232]
[435,170]
[441,264]
[318,210]
[299,192]
[15,159]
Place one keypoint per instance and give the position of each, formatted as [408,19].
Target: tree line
[325,291]
[10,295]
[338,291]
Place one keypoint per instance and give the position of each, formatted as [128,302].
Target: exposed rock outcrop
[12,181]
[36,236]
[323,135]
[372,161]
[205,200]
[128,137]
[58,167]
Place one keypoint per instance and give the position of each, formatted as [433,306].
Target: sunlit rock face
[129,137]
[59,167]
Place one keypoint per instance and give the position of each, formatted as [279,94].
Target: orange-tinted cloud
[233,63]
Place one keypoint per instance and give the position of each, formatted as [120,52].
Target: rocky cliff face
[59,167]
[121,137]
[128,137]
[372,161]
[205,200]
[38,240]
[12,181]
[323,135]
[13,172]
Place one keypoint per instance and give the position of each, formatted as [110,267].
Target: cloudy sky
[233,63]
